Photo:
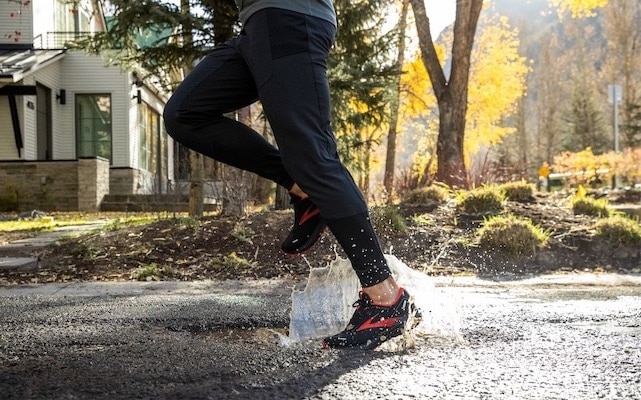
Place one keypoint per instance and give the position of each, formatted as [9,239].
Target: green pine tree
[361,71]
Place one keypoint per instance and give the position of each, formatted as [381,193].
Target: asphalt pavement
[551,337]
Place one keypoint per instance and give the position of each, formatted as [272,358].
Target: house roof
[15,64]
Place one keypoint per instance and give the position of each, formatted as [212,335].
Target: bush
[388,220]
[428,194]
[517,191]
[585,205]
[233,261]
[483,200]
[9,199]
[147,272]
[591,206]
[619,230]
[512,235]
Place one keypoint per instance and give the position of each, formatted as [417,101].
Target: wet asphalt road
[547,338]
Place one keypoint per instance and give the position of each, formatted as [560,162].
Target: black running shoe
[373,324]
[308,226]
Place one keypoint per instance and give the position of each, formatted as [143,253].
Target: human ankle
[384,293]
[298,192]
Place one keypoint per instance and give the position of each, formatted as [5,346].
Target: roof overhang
[16,64]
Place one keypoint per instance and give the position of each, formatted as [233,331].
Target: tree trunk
[366,169]
[451,95]
[523,142]
[196,184]
[236,182]
[196,163]
[450,168]
[235,192]
[283,199]
[390,157]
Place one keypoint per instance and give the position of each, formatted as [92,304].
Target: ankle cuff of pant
[356,236]
[374,275]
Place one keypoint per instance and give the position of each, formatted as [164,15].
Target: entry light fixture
[62,96]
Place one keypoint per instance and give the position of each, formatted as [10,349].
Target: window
[93,125]
[62,13]
[72,16]
[153,141]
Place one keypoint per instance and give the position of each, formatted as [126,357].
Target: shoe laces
[363,301]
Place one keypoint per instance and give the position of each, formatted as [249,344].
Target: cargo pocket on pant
[287,33]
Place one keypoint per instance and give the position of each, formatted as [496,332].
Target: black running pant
[280,58]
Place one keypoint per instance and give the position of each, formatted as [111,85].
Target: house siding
[86,74]
[49,77]
[28,116]
[16,27]
[8,150]
[66,182]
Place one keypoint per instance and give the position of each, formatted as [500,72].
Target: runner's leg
[194,116]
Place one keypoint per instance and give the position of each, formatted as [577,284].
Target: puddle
[324,307]
[264,335]
[608,327]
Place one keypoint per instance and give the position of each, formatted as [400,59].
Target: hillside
[438,241]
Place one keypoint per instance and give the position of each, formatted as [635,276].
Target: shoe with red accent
[307,228]
[373,324]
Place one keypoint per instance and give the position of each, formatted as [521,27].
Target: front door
[43,123]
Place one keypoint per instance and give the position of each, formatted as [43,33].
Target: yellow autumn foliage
[497,81]
[417,102]
[577,8]
[416,95]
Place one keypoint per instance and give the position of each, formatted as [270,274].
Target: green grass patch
[582,204]
[619,230]
[151,272]
[517,191]
[388,219]
[512,235]
[231,261]
[590,206]
[134,220]
[243,232]
[84,251]
[146,272]
[27,226]
[46,223]
[483,200]
[113,221]
[422,219]
[426,195]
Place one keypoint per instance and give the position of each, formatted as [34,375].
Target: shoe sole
[414,320]
[370,345]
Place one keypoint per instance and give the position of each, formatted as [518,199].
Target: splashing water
[324,307]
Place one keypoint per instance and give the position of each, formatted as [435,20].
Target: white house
[72,129]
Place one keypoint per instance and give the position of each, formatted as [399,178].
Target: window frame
[95,139]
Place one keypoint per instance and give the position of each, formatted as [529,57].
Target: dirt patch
[440,242]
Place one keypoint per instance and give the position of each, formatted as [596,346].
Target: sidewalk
[42,240]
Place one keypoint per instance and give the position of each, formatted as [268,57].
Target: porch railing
[59,40]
